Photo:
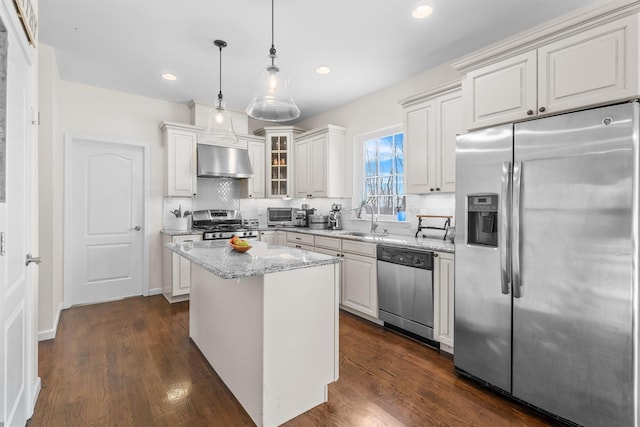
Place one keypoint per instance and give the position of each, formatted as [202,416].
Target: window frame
[359,168]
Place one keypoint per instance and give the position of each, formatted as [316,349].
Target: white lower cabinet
[360,278]
[300,241]
[176,270]
[443,291]
[274,237]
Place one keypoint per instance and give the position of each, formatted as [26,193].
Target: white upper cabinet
[180,142]
[319,162]
[431,122]
[595,66]
[502,92]
[254,187]
[279,160]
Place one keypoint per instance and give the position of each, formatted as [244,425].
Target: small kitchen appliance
[318,222]
[335,217]
[282,216]
[218,224]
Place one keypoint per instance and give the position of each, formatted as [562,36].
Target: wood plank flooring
[131,363]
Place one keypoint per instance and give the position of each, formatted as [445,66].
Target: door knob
[30,259]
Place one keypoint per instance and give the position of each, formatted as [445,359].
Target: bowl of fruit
[239,244]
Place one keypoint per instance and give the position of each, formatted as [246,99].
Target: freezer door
[482,326]
[572,339]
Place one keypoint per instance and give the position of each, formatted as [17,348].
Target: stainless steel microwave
[286,217]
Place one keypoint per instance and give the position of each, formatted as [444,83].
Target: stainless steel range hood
[223,162]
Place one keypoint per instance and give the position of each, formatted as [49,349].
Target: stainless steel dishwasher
[405,291]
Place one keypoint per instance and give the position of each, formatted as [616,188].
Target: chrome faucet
[374,224]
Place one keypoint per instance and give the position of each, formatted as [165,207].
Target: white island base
[272,339]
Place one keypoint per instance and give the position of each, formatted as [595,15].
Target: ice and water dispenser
[482,219]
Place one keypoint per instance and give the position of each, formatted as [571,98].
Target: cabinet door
[502,92]
[268,237]
[182,268]
[279,164]
[181,163]
[254,187]
[449,124]
[360,284]
[318,167]
[419,156]
[593,67]
[443,298]
[302,155]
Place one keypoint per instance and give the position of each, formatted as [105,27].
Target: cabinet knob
[250,195]
[437,188]
[431,189]
[435,255]
[542,109]
[529,112]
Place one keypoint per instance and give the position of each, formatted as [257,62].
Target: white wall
[107,114]
[49,206]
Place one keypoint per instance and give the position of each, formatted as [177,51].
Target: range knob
[220,235]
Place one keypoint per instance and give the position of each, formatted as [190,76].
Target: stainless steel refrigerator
[546,292]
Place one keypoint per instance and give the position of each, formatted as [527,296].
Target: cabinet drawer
[305,239]
[300,246]
[360,248]
[328,243]
[187,238]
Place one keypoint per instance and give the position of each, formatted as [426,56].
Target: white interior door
[104,201]
[17,295]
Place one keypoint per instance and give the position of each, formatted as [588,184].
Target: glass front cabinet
[279,146]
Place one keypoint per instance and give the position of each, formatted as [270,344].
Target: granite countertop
[220,259]
[399,240]
[189,232]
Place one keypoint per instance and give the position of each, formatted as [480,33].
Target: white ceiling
[126,45]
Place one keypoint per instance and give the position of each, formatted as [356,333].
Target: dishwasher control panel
[404,256]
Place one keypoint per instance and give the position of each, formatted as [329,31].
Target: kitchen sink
[358,234]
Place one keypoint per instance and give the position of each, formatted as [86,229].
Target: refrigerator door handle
[505,258]
[515,229]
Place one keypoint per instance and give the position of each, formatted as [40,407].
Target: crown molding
[548,32]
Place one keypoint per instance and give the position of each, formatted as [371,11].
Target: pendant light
[219,128]
[272,102]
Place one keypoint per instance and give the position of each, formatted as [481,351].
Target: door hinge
[35,117]
[2,251]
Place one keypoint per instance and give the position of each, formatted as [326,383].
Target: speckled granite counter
[189,232]
[220,259]
[388,239]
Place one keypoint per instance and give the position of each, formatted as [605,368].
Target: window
[383,172]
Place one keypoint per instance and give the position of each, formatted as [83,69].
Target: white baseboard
[154,291]
[36,392]
[51,333]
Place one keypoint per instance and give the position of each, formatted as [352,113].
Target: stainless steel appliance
[335,217]
[286,217]
[217,224]
[318,222]
[546,293]
[223,162]
[405,290]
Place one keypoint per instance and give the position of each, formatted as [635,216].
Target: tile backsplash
[224,193]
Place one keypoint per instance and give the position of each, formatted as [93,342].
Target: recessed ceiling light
[323,70]
[422,11]
[169,76]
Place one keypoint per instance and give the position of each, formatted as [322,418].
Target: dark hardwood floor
[131,363]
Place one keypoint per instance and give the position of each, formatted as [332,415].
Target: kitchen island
[267,322]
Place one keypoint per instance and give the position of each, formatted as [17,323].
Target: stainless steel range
[218,224]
